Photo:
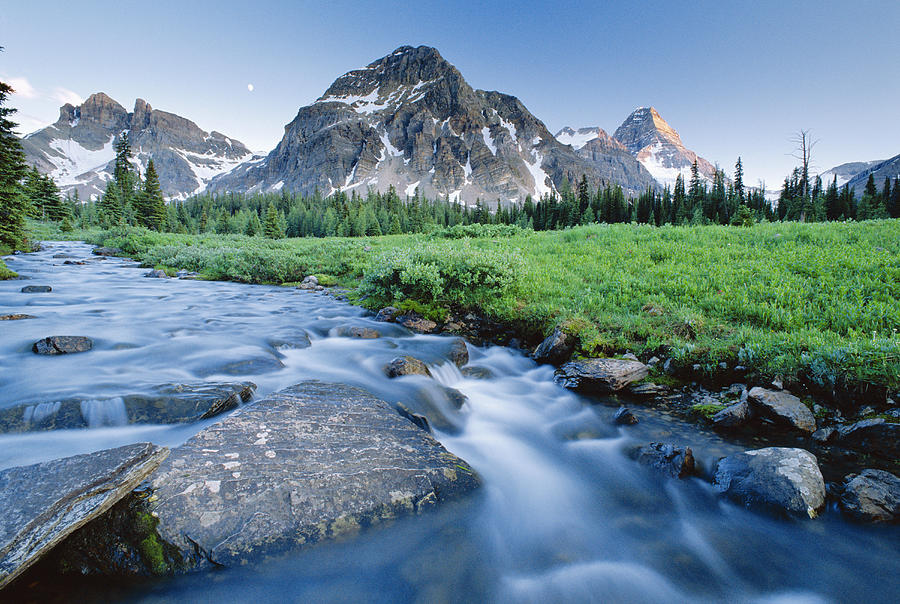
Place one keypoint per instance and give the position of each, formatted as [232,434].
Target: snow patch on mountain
[74,160]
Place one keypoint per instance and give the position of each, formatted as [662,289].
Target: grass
[5,273]
[816,303]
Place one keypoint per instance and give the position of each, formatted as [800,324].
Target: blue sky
[734,78]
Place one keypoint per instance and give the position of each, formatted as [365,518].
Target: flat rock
[36,289]
[164,404]
[877,436]
[310,463]
[780,480]
[600,376]
[406,365]
[648,389]
[783,408]
[62,345]
[44,503]
[675,461]
[555,349]
[871,496]
[16,317]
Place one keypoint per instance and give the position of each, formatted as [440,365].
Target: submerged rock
[783,408]
[677,462]
[16,317]
[406,365]
[310,463]
[872,496]
[477,372]
[62,345]
[877,436]
[44,503]
[36,289]
[775,479]
[555,349]
[156,274]
[600,376]
[165,404]
[106,251]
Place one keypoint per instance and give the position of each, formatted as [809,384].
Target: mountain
[608,154]
[654,143]
[889,168]
[410,120]
[846,172]
[77,151]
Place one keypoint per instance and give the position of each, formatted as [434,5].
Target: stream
[565,514]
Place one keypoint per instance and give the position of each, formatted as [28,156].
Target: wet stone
[675,461]
[783,408]
[361,333]
[556,348]
[106,251]
[406,365]
[624,417]
[44,503]
[16,317]
[36,289]
[62,345]
[871,496]
[477,372]
[600,376]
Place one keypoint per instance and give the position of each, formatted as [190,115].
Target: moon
[250,87]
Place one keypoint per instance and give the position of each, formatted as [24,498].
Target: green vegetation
[813,302]
[5,273]
[706,410]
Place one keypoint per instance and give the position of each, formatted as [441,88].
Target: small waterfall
[38,413]
[104,412]
[446,374]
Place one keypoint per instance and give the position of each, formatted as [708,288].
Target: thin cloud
[23,88]
[64,95]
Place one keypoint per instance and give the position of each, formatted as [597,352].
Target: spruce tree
[893,206]
[153,206]
[13,203]
[739,181]
[124,176]
[273,228]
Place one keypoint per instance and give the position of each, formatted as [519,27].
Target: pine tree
[739,181]
[272,229]
[152,212]
[125,177]
[893,206]
[109,207]
[13,203]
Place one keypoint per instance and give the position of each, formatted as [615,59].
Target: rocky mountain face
[410,120]
[602,150]
[646,137]
[888,168]
[78,150]
[845,172]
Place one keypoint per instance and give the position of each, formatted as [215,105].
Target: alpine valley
[408,121]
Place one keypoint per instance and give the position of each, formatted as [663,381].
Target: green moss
[326,280]
[5,273]
[152,551]
[706,410]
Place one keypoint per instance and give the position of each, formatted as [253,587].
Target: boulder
[877,436]
[310,280]
[782,408]
[648,389]
[361,333]
[600,376]
[459,352]
[387,314]
[46,502]
[106,251]
[186,274]
[780,480]
[16,317]
[164,404]
[36,289]
[156,274]
[675,461]
[624,417]
[733,416]
[823,435]
[62,345]
[417,323]
[406,366]
[871,496]
[556,348]
[298,339]
[310,463]
[75,263]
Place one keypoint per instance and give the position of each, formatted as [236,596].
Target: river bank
[565,508]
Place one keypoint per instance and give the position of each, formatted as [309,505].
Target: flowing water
[564,515]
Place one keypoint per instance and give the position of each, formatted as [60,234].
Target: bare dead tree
[803,151]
